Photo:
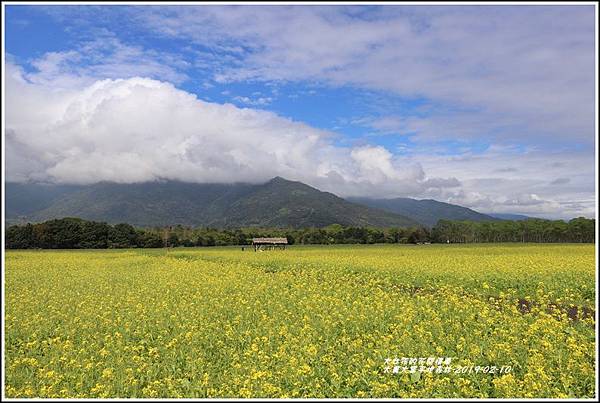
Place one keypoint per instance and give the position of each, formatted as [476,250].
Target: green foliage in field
[306,322]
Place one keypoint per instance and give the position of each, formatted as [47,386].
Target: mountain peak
[279,179]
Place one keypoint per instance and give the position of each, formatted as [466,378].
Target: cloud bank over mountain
[139,129]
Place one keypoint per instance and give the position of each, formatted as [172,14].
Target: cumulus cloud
[139,129]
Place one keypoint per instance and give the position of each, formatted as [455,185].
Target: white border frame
[58,3]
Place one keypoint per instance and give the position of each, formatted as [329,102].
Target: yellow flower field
[306,322]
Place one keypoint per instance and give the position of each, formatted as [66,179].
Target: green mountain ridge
[428,211]
[277,203]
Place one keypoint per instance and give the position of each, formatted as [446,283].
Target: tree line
[532,230]
[75,233]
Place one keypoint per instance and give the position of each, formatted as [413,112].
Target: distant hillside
[510,217]
[26,199]
[277,203]
[427,212]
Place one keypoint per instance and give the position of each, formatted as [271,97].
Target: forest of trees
[532,230]
[75,233]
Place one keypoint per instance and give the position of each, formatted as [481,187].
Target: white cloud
[511,180]
[526,67]
[105,57]
[138,129]
[259,101]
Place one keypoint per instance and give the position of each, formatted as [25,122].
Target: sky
[489,107]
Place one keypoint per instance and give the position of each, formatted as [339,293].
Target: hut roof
[270,240]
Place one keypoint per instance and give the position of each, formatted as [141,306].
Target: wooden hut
[269,243]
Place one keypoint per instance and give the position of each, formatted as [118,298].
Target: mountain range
[427,212]
[276,203]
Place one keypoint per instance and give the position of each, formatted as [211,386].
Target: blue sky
[489,107]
